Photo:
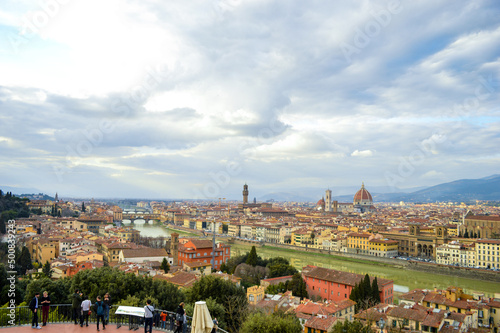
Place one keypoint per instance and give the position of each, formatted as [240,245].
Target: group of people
[82,309]
[180,318]
[35,305]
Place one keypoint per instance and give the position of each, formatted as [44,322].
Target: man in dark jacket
[76,303]
[34,306]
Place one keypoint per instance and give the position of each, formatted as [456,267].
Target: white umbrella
[202,321]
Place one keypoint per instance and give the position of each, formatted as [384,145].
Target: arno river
[403,279]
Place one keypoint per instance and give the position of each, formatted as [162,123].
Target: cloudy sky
[191,99]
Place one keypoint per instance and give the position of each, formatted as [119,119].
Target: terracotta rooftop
[350,279]
[323,324]
[144,252]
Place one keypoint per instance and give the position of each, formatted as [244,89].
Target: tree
[298,286]
[250,275]
[47,270]
[83,207]
[365,294]
[252,257]
[24,261]
[275,289]
[164,265]
[375,291]
[276,323]
[224,292]
[466,234]
[367,288]
[280,266]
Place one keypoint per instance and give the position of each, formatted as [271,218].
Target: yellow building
[233,229]
[255,294]
[47,250]
[347,229]
[488,253]
[357,243]
[301,238]
[383,248]
[87,257]
[112,251]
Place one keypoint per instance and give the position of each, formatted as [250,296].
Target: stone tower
[174,247]
[245,194]
[328,201]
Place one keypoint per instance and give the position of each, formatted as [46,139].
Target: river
[404,279]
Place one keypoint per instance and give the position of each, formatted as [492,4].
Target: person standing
[86,304]
[107,307]
[184,323]
[216,324]
[179,316]
[99,310]
[76,302]
[163,320]
[34,308]
[45,301]
[148,316]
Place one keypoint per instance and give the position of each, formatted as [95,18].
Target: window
[338,294]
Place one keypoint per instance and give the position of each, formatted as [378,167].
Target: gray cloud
[265,85]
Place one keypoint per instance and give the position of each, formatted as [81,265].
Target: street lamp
[381,324]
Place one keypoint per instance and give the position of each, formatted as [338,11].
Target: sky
[193,99]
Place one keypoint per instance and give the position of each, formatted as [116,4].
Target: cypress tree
[252,257]
[375,291]
[367,288]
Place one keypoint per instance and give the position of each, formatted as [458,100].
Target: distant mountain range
[462,190]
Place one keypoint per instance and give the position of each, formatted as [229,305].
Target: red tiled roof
[318,323]
[350,279]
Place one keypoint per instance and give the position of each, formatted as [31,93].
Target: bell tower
[174,247]
[328,201]
[245,194]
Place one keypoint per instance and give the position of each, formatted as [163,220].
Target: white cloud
[362,153]
[260,83]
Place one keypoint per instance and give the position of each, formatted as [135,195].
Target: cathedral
[362,202]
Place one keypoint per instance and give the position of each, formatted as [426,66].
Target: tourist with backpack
[99,309]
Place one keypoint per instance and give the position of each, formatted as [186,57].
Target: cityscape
[450,251]
[250,166]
